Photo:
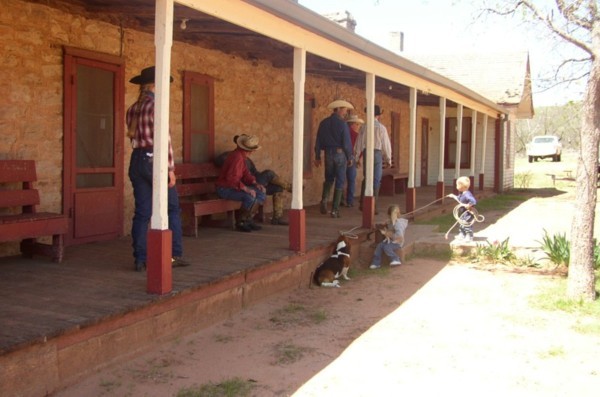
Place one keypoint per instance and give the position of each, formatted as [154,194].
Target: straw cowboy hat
[340,103]
[247,142]
[146,76]
[355,119]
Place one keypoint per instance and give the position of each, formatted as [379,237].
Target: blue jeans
[377,168]
[264,178]
[247,200]
[389,249]
[140,174]
[335,168]
[350,183]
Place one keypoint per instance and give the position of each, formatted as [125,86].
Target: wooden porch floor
[40,300]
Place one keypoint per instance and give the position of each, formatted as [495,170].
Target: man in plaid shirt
[140,129]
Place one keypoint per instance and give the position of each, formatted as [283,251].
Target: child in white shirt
[393,232]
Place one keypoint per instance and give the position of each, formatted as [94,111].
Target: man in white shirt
[382,154]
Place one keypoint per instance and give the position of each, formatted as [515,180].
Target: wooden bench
[198,198]
[393,182]
[19,220]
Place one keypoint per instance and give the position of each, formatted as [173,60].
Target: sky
[449,26]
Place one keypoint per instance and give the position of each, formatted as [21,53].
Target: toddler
[466,198]
[393,233]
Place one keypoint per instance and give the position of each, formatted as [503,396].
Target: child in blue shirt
[465,197]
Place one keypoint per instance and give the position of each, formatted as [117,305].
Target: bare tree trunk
[581,280]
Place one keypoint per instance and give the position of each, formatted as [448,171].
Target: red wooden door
[93,147]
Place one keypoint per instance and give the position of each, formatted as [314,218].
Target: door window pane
[94,123]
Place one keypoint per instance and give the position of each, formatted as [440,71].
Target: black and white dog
[328,272]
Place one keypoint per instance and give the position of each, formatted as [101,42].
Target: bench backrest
[18,172]
[195,179]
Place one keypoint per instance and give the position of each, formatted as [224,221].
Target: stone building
[66,67]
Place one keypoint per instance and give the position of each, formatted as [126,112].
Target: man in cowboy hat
[273,183]
[140,130]
[382,154]
[354,123]
[235,182]
[333,137]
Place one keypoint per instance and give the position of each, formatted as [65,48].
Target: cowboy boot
[250,221]
[325,196]
[337,198]
[242,223]
[277,180]
[278,210]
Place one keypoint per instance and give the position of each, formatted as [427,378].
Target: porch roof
[270,29]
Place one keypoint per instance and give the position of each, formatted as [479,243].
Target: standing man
[382,154]
[140,129]
[333,137]
[354,123]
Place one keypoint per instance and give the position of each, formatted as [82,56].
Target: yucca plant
[557,248]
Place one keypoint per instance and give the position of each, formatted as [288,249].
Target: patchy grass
[295,314]
[289,353]
[234,387]
[553,297]
[157,370]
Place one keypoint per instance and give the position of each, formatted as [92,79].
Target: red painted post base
[368,212]
[297,220]
[159,272]
[481,181]
[440,191]
[411,199]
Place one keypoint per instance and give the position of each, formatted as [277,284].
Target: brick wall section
[250,97]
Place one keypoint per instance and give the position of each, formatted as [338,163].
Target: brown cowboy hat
[146,76]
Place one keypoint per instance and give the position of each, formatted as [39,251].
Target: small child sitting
[393,233]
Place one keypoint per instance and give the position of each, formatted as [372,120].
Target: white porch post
[159,273]
[297,216]
[412,147]
[483,146]
[440,184]
[368,201]
[370,87]
[473,147]
[459,124]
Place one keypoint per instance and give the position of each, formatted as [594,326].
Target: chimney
[397,41]
[344,19]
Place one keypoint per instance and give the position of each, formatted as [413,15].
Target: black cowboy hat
[146,76]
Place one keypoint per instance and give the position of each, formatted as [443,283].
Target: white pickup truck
[544,146]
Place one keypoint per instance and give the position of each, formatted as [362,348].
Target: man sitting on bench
[274,185]
[235,182]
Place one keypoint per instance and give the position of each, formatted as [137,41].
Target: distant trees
[562,121]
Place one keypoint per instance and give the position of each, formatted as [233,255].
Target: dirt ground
[426,328]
